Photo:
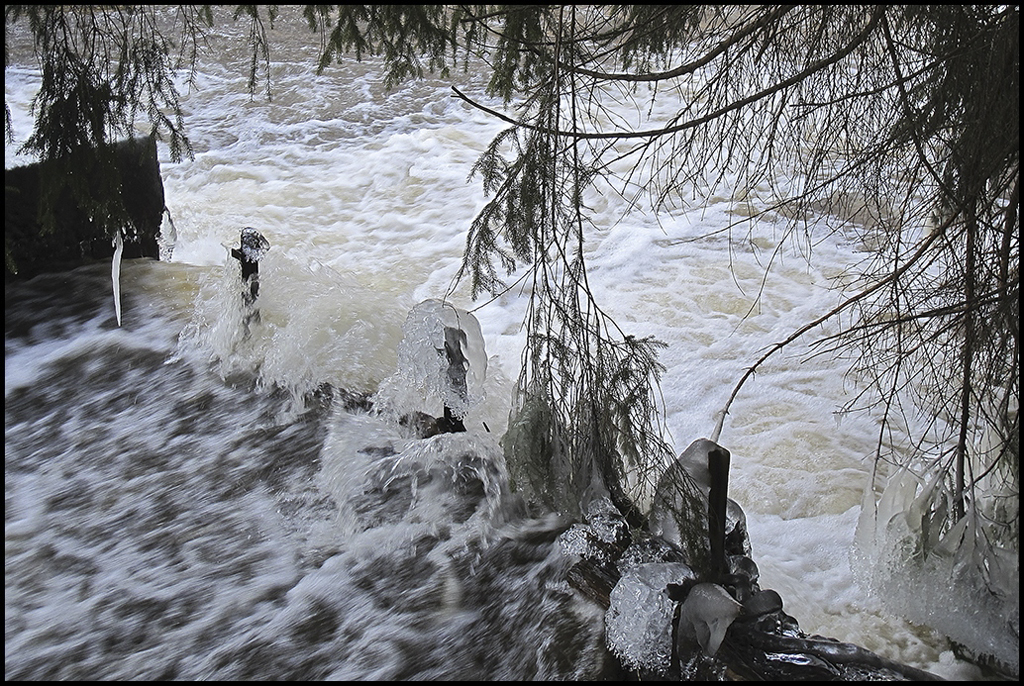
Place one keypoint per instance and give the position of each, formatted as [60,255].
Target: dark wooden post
[718,469]
[458,366]
[253,247]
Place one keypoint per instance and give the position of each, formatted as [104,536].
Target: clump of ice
[578,542]
[602,538]
[424,378]
[956,583]
[706,615]
[638,623]
[688,471]
[606,522]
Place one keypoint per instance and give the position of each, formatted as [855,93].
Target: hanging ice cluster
[638,624]
[957,583]
[442,362]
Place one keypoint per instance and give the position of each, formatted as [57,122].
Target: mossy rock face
[75,237]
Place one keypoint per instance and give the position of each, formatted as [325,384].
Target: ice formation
[115,274]
[638,623]
[436,336]
[957,583]
[706,615]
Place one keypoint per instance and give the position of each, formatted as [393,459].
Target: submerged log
[756,652]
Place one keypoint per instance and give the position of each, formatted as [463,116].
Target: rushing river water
[183,501]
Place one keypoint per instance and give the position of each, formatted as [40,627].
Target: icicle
[115,273]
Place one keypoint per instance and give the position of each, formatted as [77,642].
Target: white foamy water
[365,199]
